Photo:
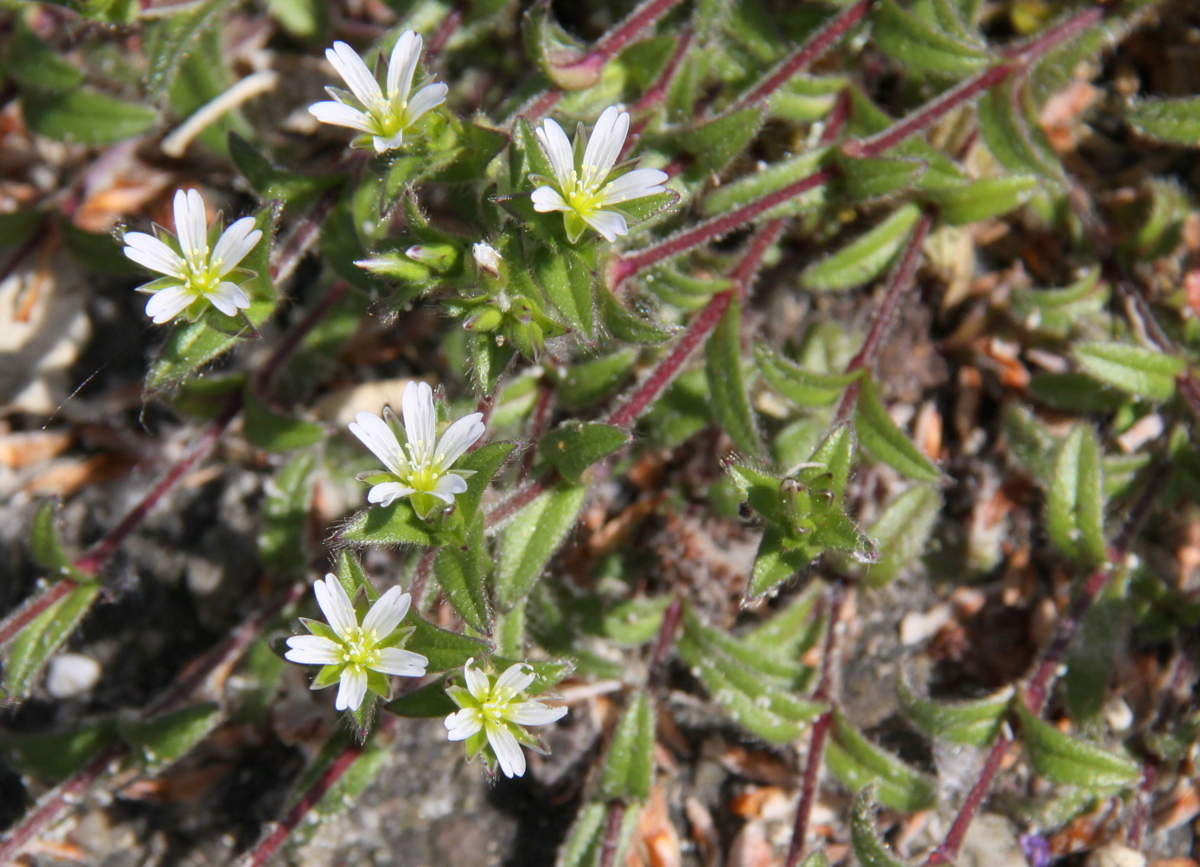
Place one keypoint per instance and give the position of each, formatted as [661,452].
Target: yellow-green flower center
[358,649]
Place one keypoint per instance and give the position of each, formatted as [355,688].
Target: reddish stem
[610,45]
[709,230]
[612,834]
[628,411]
[820,730]
[540,106]
[421,576]
[803,57]
[537,426]
[899,282]
[519,500]
[445,29]
[269,844]
[657,677]
[25,614]
[1039,686]
[62,796]
[1141,805]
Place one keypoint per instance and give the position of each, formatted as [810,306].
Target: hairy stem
[825,691]
[611,44]
[612,834]
[804,56]
[657,677]
[899,282]
[649,390]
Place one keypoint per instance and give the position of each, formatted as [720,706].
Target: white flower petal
[405,663]
[635,185]
[459,437]
[351,689]
[229,298]
[191,226]
[558,150]
[335,605]
[533,713]
[233,245]
[388,492]
[429,96]
[462,724]
[154,254]
[383,145]
[548,199]
[355,73]
[448,486]
[387,612]
[516,679]
[313,650]
[403,63]
[420,420]
[375,434]
[477,682]
[604,146]
[342,115]
[508,751]
[165,304]
[607,223]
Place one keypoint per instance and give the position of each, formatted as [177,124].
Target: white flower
[492,717]
[486,257]
[355,656]
[582,192]
[385,117]
[425,468]
[197,276]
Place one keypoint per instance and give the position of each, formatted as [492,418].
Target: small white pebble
[71,674]
[1115,855]
[915,627]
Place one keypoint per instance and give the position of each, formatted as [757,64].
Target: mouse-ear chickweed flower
[419,469]
[367,108]
[356,656]
[584,192]
[492,716]
[195,275]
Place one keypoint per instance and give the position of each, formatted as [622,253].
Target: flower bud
[437,257]
[487,318]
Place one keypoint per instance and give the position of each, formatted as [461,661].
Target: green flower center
[358,649]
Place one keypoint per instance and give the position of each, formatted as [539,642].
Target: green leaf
[34,65]
[568,277]
[285,508]
[192,345]
[532,538]
[353,578]
[1092,654]
[47,548]
[56,755]
[635,621]
[917,44]
[396,524]
[271,182]
[1176,121]
[836,454]
[584,384]
[586,838]
[626,325]
[868,848]
[41,638]
[800,386]
[445,650]
[86,116]
[165,738]
[1075,498]
[760,184]
[727,389]
[981,200]
[267,430]
[857,762]
[1064,759]
[628,769]
[1057,312]
[302,19]
[880,436]
[778,559]
[575,446]
[861,179]
[866,257]
[901,533]
[1012,134]
[428,702]
[1074,392]
[1132,369]
[526,156]
[554,50]
[974,723]
[167,43]
[714,144]
[486,461]
[463,577]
